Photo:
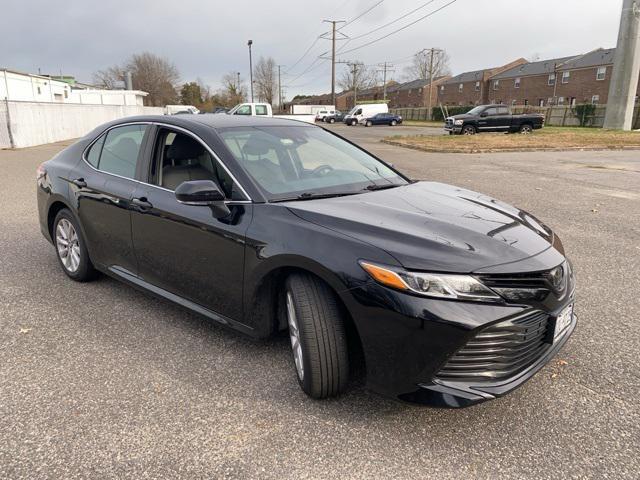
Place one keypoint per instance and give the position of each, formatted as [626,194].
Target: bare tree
[109,78]
[364,77]
[422,68]
[155,75]
[266,79]
[233,90]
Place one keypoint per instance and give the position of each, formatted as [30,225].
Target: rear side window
[120,150]
[261,109]
[93,155]
[503,111]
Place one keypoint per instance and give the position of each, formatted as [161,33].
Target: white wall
[37,123]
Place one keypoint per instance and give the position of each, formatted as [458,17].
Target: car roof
[215,121]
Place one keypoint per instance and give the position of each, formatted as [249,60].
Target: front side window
[491,111]
[179,157]
[601,73]
[243,110]
[288,161]
[118,150]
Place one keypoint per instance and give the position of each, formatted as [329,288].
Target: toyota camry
[268,225]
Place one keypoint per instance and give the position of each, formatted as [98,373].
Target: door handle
[142,203]
[79,182]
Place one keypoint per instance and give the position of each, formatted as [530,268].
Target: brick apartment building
[471,88]
[414,93]
[558,81]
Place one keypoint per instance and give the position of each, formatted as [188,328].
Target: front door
[184,249]
[104,187]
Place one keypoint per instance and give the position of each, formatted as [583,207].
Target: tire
[368,124]
[319,347]
[332,120]
[354,123]
[526,129]
[468,130]
[393,123]
[71,248]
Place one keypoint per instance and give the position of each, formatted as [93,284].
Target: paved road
[100,381]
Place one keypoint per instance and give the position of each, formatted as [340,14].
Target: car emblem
[557,278]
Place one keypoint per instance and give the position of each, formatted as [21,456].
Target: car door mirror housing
[483,114]
[203,193]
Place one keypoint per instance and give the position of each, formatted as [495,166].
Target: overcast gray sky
[207,38]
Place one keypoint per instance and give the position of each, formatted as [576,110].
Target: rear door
[184,249]
[104,188]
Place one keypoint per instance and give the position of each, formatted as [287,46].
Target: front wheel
[318,338]
[332,120]
[354,123]
[71,248]
[468,130]
[368,124]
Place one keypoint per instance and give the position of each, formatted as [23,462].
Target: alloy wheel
[294,335]
[68,245]
[525,130]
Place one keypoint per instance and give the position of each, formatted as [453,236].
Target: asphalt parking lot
[100,381]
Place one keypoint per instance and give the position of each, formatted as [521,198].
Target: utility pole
[280,87]
[354,72]
[249,43]
[624,79]
[386,67]
[333,57]
[431,70]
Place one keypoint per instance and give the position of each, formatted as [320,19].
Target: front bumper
[453,128]
[407,340]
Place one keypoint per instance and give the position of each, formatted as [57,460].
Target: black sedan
[268,225]
[383,119]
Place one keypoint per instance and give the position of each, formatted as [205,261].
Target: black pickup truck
[492,118]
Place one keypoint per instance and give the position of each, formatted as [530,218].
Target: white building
[26,87]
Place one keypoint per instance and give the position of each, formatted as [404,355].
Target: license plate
[563,320]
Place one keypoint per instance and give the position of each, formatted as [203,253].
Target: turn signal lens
[384,276]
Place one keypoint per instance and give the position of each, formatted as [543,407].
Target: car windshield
[290,162]
[476,110]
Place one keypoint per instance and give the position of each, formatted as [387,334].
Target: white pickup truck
[264,110]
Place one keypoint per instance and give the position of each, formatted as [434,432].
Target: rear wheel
[368,124]
[393,123]
[332,120]
[468,130]
[71,248]
[317,333]
[526,129]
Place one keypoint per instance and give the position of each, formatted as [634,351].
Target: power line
[401,28]
[394,21]
[304,54]
[362,14]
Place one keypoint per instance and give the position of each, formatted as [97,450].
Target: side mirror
[483,114]
[203,193]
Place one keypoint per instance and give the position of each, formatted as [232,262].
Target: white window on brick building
[601,73]
[595,100]
[514,102]
[516,83]
[565,77]
[460,87]
[541,102]
[477,86]
[526,102]
[552,79]
[496,84]
[560,100]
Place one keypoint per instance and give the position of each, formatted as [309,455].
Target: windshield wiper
[313,196]
[384,186]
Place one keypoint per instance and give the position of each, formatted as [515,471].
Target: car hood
[433,226]
[462,116]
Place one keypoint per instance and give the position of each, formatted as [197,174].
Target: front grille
[500,351]
[449,122]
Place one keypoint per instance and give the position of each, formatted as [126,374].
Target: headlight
[458,122]
[455,287]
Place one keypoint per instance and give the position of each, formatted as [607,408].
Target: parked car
[337,116]
[360,112]
[180,109]
[322,115]
[492,118]
[259,109]
[267,225]
[383,119]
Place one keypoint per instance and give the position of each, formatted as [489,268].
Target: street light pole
[249,43]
